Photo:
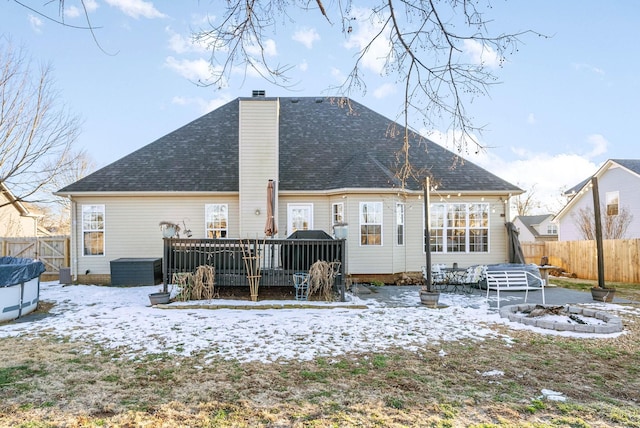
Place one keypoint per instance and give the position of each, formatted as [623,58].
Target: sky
[562,106]
[122,318]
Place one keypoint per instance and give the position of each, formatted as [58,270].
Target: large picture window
[370,223]
[93,230]
[216,220]
[459,228]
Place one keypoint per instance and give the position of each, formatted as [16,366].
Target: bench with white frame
[514,280]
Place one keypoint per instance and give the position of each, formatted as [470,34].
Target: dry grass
[52,382]
[623,290]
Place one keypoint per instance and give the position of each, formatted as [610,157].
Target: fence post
[598,220]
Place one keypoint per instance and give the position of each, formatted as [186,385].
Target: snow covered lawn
[122,318]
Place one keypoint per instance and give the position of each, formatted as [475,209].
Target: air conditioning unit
[65,275]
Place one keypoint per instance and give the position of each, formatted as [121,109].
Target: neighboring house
[618,184]
[17,219]
[536,228]
[333,162]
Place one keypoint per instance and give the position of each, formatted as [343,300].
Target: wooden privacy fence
[53,251]
[533,251]
[621,258]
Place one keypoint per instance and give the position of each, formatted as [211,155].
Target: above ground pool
[19,286]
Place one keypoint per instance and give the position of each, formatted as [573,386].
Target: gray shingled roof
[323,146]
[532,220]
[631,164]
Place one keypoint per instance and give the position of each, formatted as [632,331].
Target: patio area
[390,296]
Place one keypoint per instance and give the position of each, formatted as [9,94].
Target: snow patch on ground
[122,318]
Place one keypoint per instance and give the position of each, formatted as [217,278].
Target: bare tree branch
[36,133]
[526,202]
[427,43]
[61,21]
[443,52]
[614,226]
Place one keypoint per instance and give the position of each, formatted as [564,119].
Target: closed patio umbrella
[515,250]
[271,228]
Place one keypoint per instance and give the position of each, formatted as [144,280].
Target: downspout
[74,239]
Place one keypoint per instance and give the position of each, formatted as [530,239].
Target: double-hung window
[370,223]
[613,203]
[216,220]
[459,228]
[478,229]
[400,224]
[93,230]
[337,214]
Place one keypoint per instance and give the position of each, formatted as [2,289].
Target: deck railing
[278,259]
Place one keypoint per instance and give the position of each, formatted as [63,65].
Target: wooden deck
[276,259]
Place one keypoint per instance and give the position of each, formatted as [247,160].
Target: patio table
[452,280]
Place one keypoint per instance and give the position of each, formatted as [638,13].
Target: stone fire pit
[563,318]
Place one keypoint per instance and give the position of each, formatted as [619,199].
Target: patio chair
[301,285]
[473,276]
[438,278]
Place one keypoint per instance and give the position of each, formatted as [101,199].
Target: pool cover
[14,270]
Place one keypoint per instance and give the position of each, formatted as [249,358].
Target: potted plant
[169,229]
[602,294]
[429,296]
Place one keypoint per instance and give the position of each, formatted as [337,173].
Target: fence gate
[53,251]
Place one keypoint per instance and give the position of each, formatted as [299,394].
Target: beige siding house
[16,218]
[331,165]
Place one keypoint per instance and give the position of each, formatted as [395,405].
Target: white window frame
[93,222]
[610,198]
[370,220]
[292,210]
[453,226]
[337,213]
[552,229]
[211,229]
[400,219]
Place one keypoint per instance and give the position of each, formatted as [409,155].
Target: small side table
[544,272]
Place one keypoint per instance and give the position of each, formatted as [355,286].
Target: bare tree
[613,226]
[442,52]
[525,203]
[36,133]
[425,43]
[58,213]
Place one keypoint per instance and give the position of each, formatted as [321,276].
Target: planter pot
[159,298]
[429,298]
[603,294]
[169,232]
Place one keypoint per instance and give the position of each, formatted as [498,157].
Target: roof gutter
[140,193]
